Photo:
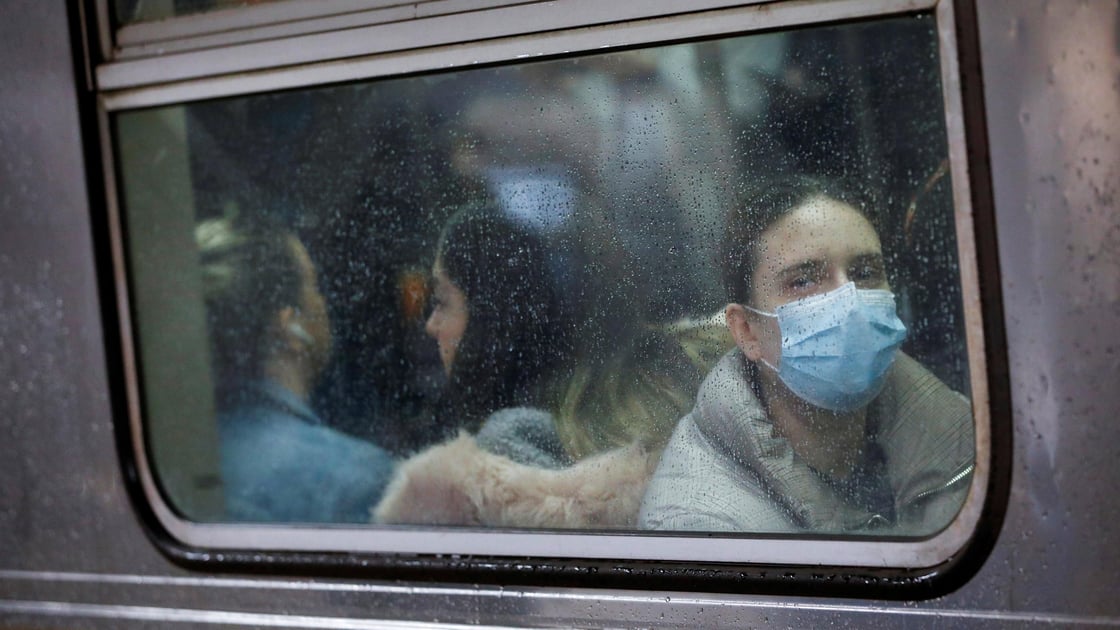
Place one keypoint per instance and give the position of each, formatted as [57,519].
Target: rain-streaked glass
[489,296]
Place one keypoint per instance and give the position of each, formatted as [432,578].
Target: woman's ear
[287,321]
[746,336]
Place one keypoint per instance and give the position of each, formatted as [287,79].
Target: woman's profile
[547,440]
[501,333]
[815,421]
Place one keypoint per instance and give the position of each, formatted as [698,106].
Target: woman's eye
[867,273]
[803,279]
[800,283]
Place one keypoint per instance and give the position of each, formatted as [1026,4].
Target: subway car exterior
[106,499]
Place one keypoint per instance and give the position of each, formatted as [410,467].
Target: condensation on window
[706,286]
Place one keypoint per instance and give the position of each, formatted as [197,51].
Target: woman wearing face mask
[815,422]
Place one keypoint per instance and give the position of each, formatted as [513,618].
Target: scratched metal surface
[72,553]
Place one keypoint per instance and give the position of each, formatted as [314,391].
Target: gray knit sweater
[525,435]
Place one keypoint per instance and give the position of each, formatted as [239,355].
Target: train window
[689,299]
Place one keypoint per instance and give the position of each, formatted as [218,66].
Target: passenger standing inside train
[815,422]
[270,339]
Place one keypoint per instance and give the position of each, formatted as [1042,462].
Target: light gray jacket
[724,471]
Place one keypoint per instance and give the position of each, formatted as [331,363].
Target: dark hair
[759,208]
[249,273]
[516,334]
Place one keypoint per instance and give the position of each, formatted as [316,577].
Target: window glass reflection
[701,287]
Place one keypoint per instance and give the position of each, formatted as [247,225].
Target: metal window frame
[448,46]
[273,21]
[208,22]
[293,18]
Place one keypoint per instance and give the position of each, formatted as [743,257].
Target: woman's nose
[431,328]
[829,283]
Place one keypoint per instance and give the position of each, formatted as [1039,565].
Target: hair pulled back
[249,273]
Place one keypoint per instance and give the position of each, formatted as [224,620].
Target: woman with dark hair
[496,317]
[815,422]
[554,444]
[502,335]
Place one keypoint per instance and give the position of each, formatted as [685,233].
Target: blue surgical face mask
[540,198]
[838,346]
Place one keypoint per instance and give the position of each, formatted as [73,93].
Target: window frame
[126,84]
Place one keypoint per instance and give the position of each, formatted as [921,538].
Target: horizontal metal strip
[448,55]
[404,35]
[247,17]
[223,33]
[210,617]
[654,601]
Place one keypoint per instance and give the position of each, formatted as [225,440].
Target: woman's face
[819,246]
[448,320]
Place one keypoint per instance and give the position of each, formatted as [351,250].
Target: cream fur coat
[459,483]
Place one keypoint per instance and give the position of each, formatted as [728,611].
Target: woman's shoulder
[261,437]
[729,415]
[928,435]
[921,419]
[699,487]
[526,435]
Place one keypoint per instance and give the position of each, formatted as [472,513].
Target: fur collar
[458,483]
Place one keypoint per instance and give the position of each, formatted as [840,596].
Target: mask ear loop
[299,331]
[755,310]
[764,314]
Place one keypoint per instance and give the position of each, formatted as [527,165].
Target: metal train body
[77,551]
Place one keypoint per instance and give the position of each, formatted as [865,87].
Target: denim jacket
[281,464]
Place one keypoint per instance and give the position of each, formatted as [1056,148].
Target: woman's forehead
[820,227]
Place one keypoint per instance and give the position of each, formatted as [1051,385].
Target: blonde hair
[704,341]
[248,274]
[636,394]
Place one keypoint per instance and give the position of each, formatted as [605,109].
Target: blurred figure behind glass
[270,339]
